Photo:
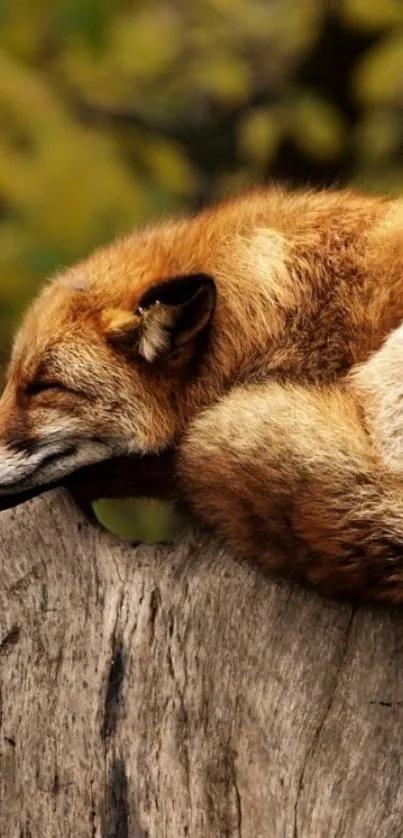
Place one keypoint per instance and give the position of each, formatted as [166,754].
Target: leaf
[378,75]
[143,44]
[90,18]
[379,135]
[316,126]
[372,15]
[140,519]
[226,77]
[24,26]
[259,134]
[168,165]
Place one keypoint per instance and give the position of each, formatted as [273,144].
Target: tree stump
[174,691]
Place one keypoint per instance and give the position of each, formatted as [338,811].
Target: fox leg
[286,474]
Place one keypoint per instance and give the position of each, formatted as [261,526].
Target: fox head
[101,367]
[115,356]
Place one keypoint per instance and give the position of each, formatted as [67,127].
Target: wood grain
[174,691]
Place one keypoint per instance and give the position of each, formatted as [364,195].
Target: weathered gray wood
[160,692]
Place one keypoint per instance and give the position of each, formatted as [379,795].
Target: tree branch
[177,692]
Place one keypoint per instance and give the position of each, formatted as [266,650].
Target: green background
[113,113]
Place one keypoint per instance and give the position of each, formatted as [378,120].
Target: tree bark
[173,691]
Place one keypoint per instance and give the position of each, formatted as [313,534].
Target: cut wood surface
[174,691]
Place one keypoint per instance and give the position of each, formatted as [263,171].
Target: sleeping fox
[260,343]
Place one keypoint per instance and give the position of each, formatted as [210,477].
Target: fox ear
[173,313]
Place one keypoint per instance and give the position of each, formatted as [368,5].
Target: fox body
[257,341]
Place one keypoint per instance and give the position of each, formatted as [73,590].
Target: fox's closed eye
[42,386]
[39,386]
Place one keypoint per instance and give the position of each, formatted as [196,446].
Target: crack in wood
[10,639]
[315,741]
[116,811]
[113,697]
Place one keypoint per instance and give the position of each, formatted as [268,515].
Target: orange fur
[249,389]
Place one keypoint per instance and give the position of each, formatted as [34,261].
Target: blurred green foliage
[114,113]
[140,519]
